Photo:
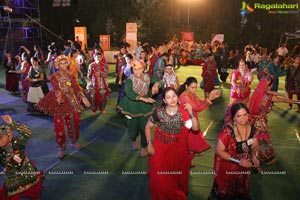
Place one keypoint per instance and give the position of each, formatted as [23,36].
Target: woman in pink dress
[240,86]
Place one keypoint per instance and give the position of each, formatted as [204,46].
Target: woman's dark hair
[35,59]
[275,55]
[165,54]
[25,55]
[187,83]
[128,55]
[236,107]
[165,90]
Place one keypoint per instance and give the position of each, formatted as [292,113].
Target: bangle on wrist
[296,101]
[149,141]
[208,101]
[191,115]
[234,160]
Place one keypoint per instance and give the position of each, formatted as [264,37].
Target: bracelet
[191,115]
[234,160]
[138,98]
[296,101]
[208,101]
[149,141]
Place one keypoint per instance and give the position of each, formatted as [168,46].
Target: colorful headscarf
[60,58]
[258,95]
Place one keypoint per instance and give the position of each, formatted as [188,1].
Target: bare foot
[135,145]
[103,112]
[60,154]
[75,146]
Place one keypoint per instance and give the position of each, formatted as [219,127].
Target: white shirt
[282,51]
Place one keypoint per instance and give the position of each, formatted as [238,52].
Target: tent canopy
[289,36]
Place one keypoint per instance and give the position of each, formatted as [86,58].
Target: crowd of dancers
[150,96]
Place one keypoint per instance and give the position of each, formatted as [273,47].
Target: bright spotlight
[7,9]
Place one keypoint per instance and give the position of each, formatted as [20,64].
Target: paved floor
[107,168]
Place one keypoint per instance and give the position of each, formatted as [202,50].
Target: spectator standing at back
[137,51]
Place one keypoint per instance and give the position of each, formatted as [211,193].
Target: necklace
[171,112]
[239,133]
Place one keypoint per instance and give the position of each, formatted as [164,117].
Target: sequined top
[140,85]
[19,173]
[170,80]
[66,83]
[260,120]
[170,124]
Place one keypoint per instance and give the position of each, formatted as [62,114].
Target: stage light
[7,9]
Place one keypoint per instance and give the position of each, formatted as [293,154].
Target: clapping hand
[214,94]
[7,119]
[86,102]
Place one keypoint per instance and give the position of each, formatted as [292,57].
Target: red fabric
[242,84]
[169,158]
[196,140]
[187,36]
[195,62]
[209,72]
[59,128]
[230,184]
[32,193]
[49,105]
[197,104]
[169,166]
[99,97]
[264,137]
[153,59]
[12,82]
[257,96]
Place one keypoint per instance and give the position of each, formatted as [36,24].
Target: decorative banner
[131,34]
[80,31]
[219,37]
[187,36]
[105,40]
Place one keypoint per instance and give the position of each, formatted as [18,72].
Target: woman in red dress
[209,73]
[235,156]
[12,82]
[169,159]
[260,105]
[187,93]
[63,102]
